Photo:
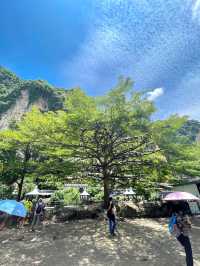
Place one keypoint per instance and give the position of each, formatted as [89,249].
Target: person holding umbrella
[181,230]
[180,224]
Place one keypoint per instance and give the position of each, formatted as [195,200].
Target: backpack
[39,208]
[172,222]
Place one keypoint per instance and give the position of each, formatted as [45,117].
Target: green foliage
[191,130]
[71,196]
[11,87]
[182,156]
[110,138]
[68,196]
[39,88]
[57,196]
[6,191]
[96,193]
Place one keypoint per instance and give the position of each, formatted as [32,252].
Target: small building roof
[129,192]
[38,192]
[84,193]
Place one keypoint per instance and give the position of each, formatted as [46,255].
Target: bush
[58,195]
[6,191]
[96,193]
[69,196]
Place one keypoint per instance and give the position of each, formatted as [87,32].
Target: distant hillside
[191,129]
[17,96]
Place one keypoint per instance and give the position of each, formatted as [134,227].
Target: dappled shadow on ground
[138,242]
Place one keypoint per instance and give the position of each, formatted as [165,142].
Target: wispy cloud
[155,46]
[154,94]
[96,55]
[196,10]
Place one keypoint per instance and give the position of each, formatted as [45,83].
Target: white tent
[34,192]
[38,192]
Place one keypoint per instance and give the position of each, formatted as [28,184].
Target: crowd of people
[35,215]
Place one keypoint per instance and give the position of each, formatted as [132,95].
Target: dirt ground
[138,242]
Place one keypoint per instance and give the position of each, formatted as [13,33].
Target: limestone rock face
[18,96]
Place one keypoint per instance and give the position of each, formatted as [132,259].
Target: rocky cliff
[18,96]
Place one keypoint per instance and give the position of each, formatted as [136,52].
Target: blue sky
[90,43]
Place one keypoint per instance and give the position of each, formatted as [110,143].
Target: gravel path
[138,242]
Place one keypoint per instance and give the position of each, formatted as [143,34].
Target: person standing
[29,206]
[181,229]
[111,217]
[38,214]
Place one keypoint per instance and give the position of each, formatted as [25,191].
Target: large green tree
[110,139]
[26,153]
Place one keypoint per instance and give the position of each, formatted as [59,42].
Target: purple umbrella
[178,196]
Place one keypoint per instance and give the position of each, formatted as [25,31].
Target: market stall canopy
[180,196]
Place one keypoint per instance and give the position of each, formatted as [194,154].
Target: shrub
[69,196]
[96,193]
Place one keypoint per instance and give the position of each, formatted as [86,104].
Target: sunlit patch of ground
[138,242]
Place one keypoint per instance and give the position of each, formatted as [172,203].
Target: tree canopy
[110,139]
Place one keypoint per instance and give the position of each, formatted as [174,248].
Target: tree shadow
[87,242]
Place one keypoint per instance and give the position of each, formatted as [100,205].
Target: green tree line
[110,140]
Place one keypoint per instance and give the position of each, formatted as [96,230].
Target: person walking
[38,214]
[181,227]
[111,217]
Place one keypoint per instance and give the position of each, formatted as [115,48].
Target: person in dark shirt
[182,230]
[183,235]
[111,216]
[38,213]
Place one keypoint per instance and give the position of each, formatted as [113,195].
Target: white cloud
[153,95]
[196,10]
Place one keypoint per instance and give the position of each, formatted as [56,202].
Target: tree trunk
[24,171]
[20,186]
[106,191]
